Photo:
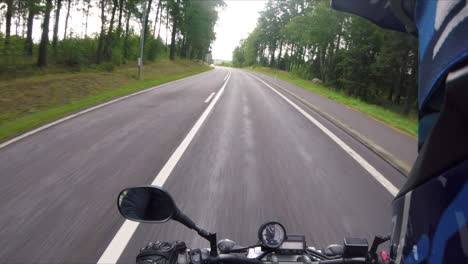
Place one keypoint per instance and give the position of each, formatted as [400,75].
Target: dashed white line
[209,97]
[126,231]
[369,168]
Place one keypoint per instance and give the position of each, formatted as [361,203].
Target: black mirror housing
[152,204]
[146,204]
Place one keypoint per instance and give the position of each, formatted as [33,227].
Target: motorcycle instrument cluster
[272,235]
[293,245]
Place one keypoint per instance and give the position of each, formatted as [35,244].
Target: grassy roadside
[407,124]
[29,102]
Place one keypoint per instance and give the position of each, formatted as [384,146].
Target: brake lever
[377,241]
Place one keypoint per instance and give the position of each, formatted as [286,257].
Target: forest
[347,53]
[173,28]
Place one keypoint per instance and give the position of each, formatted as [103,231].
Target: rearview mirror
[155,205]
[146,204]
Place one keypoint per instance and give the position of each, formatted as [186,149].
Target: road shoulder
[400,150]
[51,113]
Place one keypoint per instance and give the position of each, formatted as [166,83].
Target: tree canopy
[308,38]
[190,24]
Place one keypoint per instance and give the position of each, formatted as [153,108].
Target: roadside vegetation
[52,70]
[29,102]
[359,62]
[188,26]
[224,64]
[405,123]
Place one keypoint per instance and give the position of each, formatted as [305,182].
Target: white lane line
[119,242]
[229,74]
[369,168]
[209,97]
[61,120]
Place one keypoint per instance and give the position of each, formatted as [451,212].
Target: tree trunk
[167,23]
[111,24]
[66,19]
[119,25]
[272,56]
[42,59]
[87,16]
[175,10]
[8,15]
[29,42]
[400,86]
[127,28]
[411,88]
[56,26]
[186,46]
[182,46]
[148,11]
[390,94]
[322,63]
[18,22]
[408,101]
[101,35]
[173,44]
[160,21]
[156,19]
[278,60]
[24,26]
[109,37]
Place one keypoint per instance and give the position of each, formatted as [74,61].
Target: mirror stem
[211,237]
[185,220]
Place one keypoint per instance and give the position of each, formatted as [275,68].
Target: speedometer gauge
[272,234]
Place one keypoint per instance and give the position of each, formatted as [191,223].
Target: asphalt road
[255,158]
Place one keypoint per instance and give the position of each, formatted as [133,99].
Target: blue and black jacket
[430,213]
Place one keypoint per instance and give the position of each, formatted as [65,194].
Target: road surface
[242,152]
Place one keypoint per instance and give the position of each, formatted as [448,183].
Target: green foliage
[225,64]
[155,49]
[310,40]
[16,46]
[117,42]
[197,22]
[76,52]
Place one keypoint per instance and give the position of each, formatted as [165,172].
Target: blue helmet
[430,212]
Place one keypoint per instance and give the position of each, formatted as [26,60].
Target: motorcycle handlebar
[343,261]
[227,258]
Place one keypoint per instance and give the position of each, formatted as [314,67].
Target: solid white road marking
[229,74]
[126,231]
[369,168]
[61,120]
[209,97]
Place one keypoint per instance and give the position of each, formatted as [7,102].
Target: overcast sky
[235,22]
